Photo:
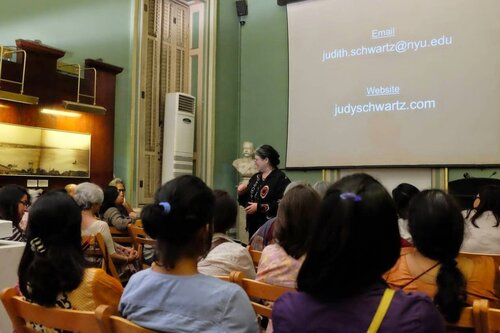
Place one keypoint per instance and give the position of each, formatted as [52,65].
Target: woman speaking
[265,189]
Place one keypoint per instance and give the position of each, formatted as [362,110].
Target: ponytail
[450,297]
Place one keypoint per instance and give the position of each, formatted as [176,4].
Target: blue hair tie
[350,196]
[166,206]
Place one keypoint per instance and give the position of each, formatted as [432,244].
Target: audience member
[14,203]
[280,262]
[70,189]
[352,243]
[52,269]
[89,197]
[482,232]
[124,207]
[437,229]
[110,212]
[402,194]
[321,186]
[261,196]
[172,296]
[225,254]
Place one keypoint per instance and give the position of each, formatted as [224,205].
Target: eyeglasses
[25,202]
[122,190]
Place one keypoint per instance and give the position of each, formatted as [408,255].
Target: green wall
[84,29]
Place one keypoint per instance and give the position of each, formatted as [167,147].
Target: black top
[266,193]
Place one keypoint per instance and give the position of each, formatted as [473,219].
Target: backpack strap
[385,302]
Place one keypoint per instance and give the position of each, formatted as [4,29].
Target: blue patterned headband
[350,196]
[166,206]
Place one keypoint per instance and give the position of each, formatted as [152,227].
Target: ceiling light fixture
[84,107]
[60,113]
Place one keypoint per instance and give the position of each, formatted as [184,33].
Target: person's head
[247,149]
[488,199]
[437,229]
[181,220]
[89,196]
[70,189]
[402,194]
[52,261]
[321,187]
[296,213]
[225,212]
[266,157]
[112,198]
[119,184]
[14,202]
[354,240]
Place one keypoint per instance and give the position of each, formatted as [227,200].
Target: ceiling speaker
[241,7]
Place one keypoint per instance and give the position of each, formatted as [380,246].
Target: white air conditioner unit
[178,136]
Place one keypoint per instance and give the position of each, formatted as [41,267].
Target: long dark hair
[110,195]
[437,229]
[226,211]
[177,228]
[489,200]
[52,261]
[402,195]
[9,202]
[296,213]
[353,242]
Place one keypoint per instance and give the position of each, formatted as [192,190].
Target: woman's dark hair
[437,229]
[402,195]
[489,200]
[177,228]
[296,213]
[225,212]
[110,195]
[353,242]
[52,261]
[10,195]
[266,151]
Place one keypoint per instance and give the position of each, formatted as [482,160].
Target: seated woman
[14,203]
[109,211]
[352,243]
[280,262]
[402,195]
[437,228]
[225,254]
[52,269]
[172,296]
[482,231]
[89,197]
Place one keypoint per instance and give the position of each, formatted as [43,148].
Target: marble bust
[246,164]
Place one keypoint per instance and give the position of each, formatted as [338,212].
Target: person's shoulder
[417,308]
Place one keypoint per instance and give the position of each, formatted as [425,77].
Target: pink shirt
[278,268]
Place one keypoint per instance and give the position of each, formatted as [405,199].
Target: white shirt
[486,238]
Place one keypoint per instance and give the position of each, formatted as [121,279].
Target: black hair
[54,221]
[437,229]
[353,242]
[267,151]
[402,194]
[296,213]
[10,195]
[177,229]
[110,195]
[489,200]
[226,211]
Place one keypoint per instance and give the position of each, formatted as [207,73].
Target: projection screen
[393,83]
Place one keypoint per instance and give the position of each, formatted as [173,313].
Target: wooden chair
[140,238]
[109,266]
[23,314]
[111,322]
[93,252]
[120,237]
[472,317]
[259,291]
[255,256]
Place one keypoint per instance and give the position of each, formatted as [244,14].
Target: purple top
[300,312]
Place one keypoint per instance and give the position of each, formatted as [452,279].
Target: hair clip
[37,245]
[166,206]
[350,196]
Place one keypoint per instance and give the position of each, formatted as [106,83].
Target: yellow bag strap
[381,310]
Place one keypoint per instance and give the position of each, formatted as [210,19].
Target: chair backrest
[92,252]
[490,320]
[472,317]
[109,265]
[255,255]
[259,293]
[496,258]
[23,314]
[140,238]
[110,321]
[120,237]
